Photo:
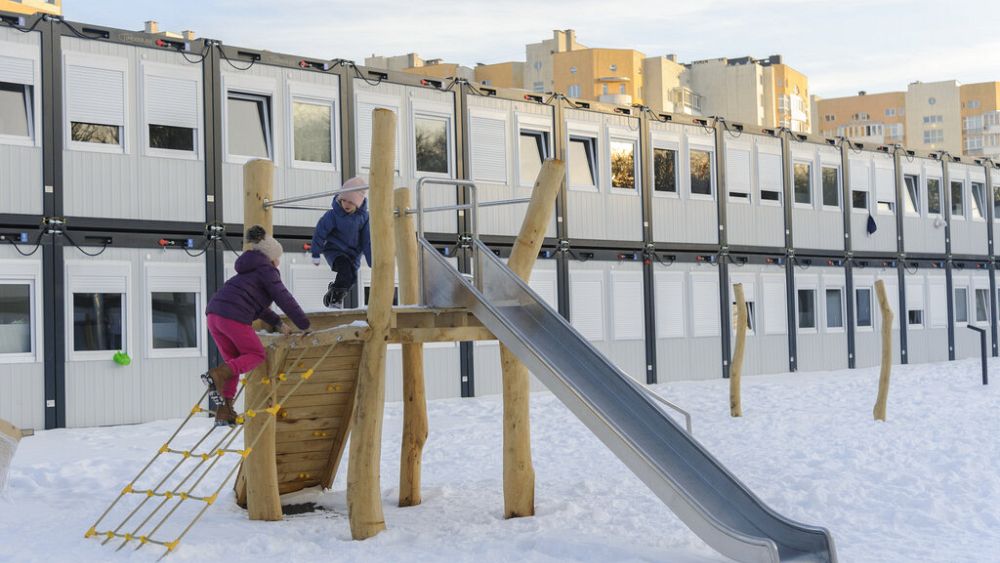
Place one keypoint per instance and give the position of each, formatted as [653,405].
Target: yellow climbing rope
[206,461]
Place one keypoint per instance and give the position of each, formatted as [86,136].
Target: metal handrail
[280,203]
[684,413]
[982,350]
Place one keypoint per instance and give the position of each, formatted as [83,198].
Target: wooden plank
[342,360]
[440,334]
[306,435]
[320,445]
[322,411]
[285,488]
[327,399]
[313,468]
[317,423]
[302,457]
[321,387]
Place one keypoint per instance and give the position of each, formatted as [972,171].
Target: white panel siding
[818,227]
[290,178]
[22,384]
[607,213]
[133,185]
[677,218]
[863,174]
[506,219]
[21,180]
[691,357]
[100,392]
[752,221]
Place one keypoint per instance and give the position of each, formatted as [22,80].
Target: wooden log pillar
[364,489]
[261,470]
[883,380]
[263,502]
[414,394]
[518,472]
[10,435]
[735,406]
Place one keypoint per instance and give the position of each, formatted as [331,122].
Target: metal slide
[692,483]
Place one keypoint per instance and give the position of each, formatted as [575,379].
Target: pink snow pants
[240,348]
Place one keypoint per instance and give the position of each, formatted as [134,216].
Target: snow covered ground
[923,486]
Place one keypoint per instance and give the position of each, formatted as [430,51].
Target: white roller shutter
[489,149]
[669,298]
[775,303]
[769,171]
[364,132]
[171,101]
[95,95]
[16,70]
[705,304]
[627,305]
[914,294]
[860,171]
[885,184]
[738,170]
[587,304]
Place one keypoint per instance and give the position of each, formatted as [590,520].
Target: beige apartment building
[981,118]
[612,76]
[53,7]
[931,116]
[867,118]
[539,66]
[414,64]
[667,87]
[501,75]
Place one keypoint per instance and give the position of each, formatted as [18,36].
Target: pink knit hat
[358,197]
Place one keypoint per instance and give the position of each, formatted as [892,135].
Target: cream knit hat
[258,239]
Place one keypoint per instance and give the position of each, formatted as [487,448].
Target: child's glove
[315,260]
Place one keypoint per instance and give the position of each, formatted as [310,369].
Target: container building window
[831,186]
[859,199]
[961,305]
[582,161]
[912,194]
[249,126]
[982,305]
[16,321]
[533,150]
[431,143]
[934,196]
[172,115]
[807,308]
[701,172]
[623,164]
[978,200]
[175,319]
[16,113]
[915,317]
[665,170]
[803,183]
[312,138]
[863,304]
[957,201]
[770,177]
[95,104]
[996,202]
[834,308]
[98,321]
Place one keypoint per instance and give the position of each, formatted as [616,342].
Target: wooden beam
[263,502]
[364,490]
[518,472]
[883,380]
[415,425]
[735,404]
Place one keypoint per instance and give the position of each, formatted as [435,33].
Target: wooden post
[263,502]
[883,381]
[10,435]
[364,490]
[735,406]
[414,394]
[260,468]
[518,472]
[258,185]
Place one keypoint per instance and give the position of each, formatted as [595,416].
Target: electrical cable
[38,244]
[222,51]
[98,253]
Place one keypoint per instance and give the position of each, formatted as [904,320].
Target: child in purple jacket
[247,296]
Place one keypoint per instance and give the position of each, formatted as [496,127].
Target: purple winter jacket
[248,295]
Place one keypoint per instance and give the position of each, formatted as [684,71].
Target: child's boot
[334,298]
[215,379]
[225,415]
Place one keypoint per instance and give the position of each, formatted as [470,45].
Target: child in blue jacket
[342,235]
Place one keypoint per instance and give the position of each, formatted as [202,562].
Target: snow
[922,486]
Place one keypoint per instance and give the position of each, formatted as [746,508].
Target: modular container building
[122,208]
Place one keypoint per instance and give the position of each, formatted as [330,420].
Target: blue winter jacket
[339,233]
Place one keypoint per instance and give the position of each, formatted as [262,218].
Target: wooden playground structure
[317,388]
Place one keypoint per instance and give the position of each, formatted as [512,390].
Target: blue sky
[842,46]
